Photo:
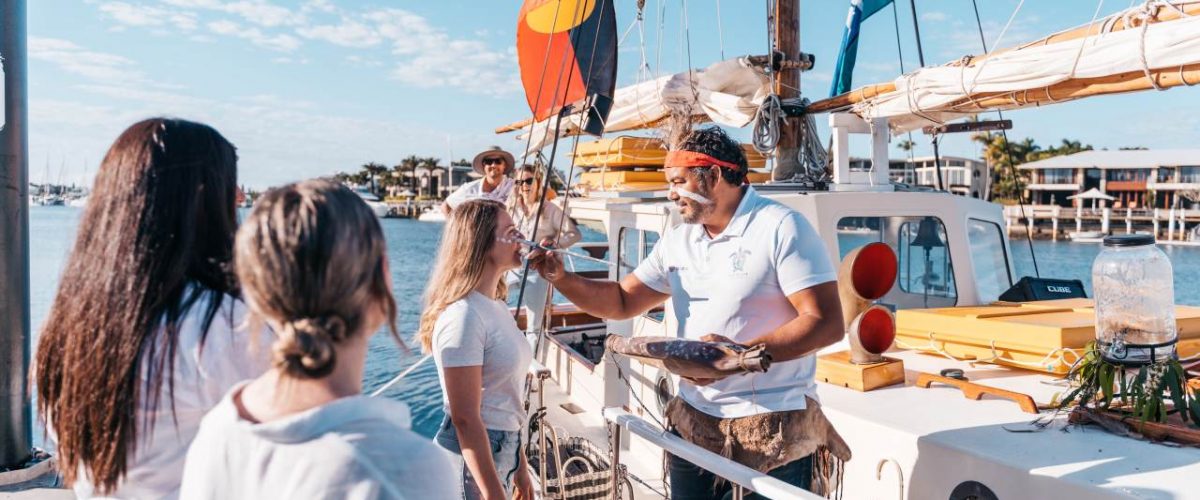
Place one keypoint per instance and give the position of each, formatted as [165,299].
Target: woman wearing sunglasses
[553,224]
[495,165]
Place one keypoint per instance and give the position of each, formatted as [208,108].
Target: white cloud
[318,6]
[364,61]
[259,12]
[74,59]
[349,33]
[147,16]
[430,57]
[280,42]
[280,138]
[934,16]
[263,13]
[426,56]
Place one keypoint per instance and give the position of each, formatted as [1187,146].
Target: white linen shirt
[203,373]
[474,189]
[355,448]
[737,285]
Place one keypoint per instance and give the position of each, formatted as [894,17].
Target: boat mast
[15,429]
[787,82]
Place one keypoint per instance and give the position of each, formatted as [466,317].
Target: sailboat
[907,439]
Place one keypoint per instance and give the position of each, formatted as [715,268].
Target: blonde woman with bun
[481,355]
[312,265]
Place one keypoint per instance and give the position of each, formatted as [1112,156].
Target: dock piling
[16,438]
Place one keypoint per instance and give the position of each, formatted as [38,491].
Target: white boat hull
[432,215]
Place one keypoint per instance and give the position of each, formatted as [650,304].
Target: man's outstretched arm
[601,298]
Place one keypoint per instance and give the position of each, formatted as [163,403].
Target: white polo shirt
[474,189]
[737,285]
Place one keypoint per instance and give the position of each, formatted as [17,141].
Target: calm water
[411,246]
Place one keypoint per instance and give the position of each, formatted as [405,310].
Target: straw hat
[477,163]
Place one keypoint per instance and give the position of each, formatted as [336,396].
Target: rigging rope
[765,135]
[1012,167]
[720,31]
[900,58]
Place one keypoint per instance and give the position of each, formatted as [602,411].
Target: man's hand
[546,263]
[711,337]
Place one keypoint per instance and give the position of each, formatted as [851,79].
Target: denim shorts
[506,450]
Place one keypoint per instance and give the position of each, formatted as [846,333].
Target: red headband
[681,158]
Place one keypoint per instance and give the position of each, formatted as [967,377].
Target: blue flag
[860,10]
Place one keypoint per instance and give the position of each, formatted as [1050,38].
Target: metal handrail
[738,474]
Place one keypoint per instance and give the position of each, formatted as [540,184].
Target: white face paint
[684,193]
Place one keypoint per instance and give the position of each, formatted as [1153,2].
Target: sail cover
[567,52]
[728,92]
[1148,49]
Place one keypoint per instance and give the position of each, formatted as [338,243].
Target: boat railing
[742,478]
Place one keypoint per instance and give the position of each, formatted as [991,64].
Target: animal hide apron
[769,440]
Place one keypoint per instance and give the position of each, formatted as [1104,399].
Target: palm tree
[372,171]
[409,166]
[907,146]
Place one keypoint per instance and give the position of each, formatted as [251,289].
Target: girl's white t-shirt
[356,447]
[202,374]
[479,331]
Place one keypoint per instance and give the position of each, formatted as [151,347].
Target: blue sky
[309,87]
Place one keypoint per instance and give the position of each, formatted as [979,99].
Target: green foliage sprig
[1097,384]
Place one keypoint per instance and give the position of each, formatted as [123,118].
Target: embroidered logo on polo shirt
[737,261]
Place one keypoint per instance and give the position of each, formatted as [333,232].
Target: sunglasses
[493,161]
[527,182]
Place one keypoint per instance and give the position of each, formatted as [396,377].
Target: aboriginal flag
[567,51]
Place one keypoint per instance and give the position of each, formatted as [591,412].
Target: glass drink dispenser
[1135,301]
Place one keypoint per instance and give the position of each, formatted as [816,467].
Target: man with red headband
[745,269]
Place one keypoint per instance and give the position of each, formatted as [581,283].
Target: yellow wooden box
[1043,336]
[639,180]
[622,152]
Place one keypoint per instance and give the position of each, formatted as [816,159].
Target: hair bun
[305,347]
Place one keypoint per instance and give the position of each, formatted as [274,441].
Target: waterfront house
[1136,179]
[962,176]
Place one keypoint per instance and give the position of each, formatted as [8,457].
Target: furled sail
[567,53]
[728,92]
[1152,46]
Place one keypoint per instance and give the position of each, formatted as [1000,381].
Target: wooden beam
[1133,81]
[787,83]
[848,99]
[514,126]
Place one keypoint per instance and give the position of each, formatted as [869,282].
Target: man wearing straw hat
[495,165]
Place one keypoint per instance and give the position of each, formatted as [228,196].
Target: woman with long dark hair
[145,333]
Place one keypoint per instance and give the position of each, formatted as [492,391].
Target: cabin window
[924,255]
[987,255]
[635,246]
[926,275]
[628,256]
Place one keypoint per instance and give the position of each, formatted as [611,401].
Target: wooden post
[1128,221]
[1157,214]
[787,85]
[1105,219]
